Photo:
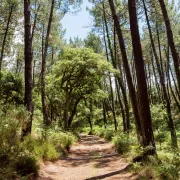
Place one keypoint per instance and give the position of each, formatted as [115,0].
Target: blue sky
[76,24]
[79,24]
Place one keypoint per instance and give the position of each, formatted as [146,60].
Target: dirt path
[92,158]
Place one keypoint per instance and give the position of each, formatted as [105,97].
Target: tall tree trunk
[112,59]
[33,31]
[156,81]
[114,63]
[171,41]
[104,114]
[28,67]
[162,80]
[43,72]
[125,116]
[127,70]
[144,109]
[113,104]
[174,82]
[125,123]
[5,36]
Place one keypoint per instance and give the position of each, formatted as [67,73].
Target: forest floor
[92,158]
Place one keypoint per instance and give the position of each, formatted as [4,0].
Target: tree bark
[144,109]
[127,70]
[43,72]
[166,100]
[28,67]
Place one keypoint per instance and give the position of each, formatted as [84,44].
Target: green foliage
[21,157]
[14,156]
[161,137]
[170,164]
[11,88]
[168,171]
[122,143]
[78,76]
[108,134]
[158,114]
[94,42]
[98,131]
[62,140]
[26,165]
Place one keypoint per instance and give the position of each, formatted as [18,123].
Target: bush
[161,137]
[11,88]
[27,165]
[122,143]
[15,157]
[108,135]
[98,131]
[168,171]
[21,158]
[62,140]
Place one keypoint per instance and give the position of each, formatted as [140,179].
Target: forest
[106,106]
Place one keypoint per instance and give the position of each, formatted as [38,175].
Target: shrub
[108,135]
[161,137]
[168,171]
[49,152]
[21,157]
[62,140]
[98,131]
[27,165]
[122,143]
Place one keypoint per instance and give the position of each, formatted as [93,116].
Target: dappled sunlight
[88,161]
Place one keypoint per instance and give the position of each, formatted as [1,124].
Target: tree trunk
[28,67]
[162,80]
[66,111]
[125,123]
[171,41]
[5,36]
[144,109]
[113,105]
[127,70]
[73,113]
[104,114]
[43,72]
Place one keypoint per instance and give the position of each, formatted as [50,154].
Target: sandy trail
[92,158]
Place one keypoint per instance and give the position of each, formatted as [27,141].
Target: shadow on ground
[110,174]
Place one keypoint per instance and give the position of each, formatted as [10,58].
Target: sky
[77,24]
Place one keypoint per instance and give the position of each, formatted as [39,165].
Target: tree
[77,77]
[169,32]
[144,109]
[93,41]
[127,70]
[43,71]
[8,13]
[162,82]
[28,67]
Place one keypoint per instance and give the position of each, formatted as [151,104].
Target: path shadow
[89,157]
[101,161]
[110,174]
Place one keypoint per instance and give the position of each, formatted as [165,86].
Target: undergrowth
[21,158]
